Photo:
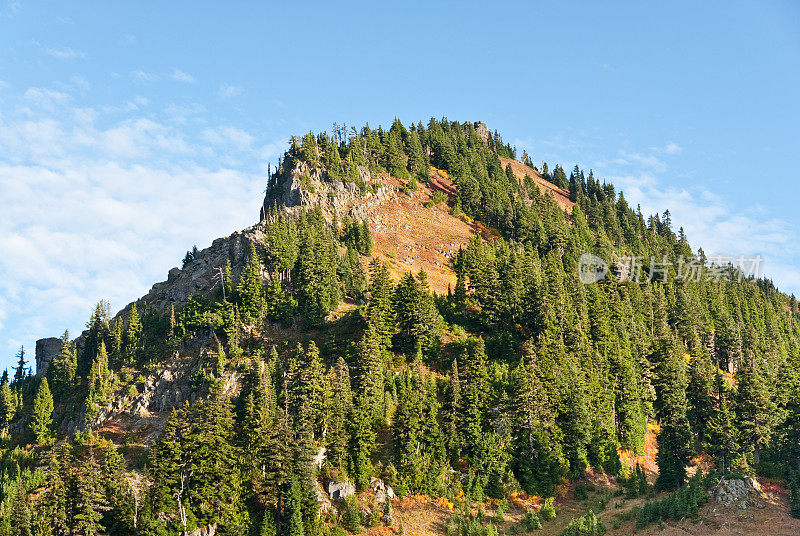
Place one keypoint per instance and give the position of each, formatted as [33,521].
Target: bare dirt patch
[410,236]
[520,170]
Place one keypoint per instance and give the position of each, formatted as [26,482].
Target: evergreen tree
[701,378]
[268,524]
[8,407]
[674,436]
[42,417]
[21,370]
[720,432]
[292,519]
[250,289]
[132,339]
[756,409]
[89,502]
[418,319]
[63,368]
[380,313]
[118,342]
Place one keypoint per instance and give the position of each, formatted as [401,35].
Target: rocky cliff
[296,186]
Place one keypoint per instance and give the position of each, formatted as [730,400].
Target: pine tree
[89,502]
[674,436]
[417,163]
[368,374]
[98,331]
[535,462]
[42,417]
[756,409]
[132,339]
[380,314]
[118,342]
[268,524]
[21,370]
[340,406]
[250,289]
[698,392]
[475,396]
[418,319]
[21,513]
[720,431]
[362,438]
[8,407]
[63,368]
[292,519]
[452,423]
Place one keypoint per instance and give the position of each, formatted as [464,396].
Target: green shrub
[587,525]
[502,508]
[351,517]
[685,502]
[530,522]
[548,511]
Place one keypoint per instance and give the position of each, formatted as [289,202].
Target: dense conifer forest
[518,379]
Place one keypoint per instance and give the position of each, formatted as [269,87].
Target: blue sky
[131,130]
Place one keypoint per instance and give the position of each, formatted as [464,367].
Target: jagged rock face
[201,275]
[198,277]
[305,187]
[481,130]
[46,351]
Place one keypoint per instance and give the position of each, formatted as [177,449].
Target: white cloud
[45,98]
[227,91]
[648,161]
[139,75]
[101,203]
[76,83]
[672,148]
[181,76]
[64,53]
[228,136]
[9,8]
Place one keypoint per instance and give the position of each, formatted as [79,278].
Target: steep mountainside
[405,341]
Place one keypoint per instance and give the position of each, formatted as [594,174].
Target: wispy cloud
[88,196]
[181,76]
[227,91]
[8,7]
[45,98]
[64,53]
[139,75]
[90,192]
[75,83]
[646,160]
[672,148]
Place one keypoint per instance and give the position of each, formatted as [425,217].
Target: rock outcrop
[739,493]
[46,351]
[302,186]
[338,490]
